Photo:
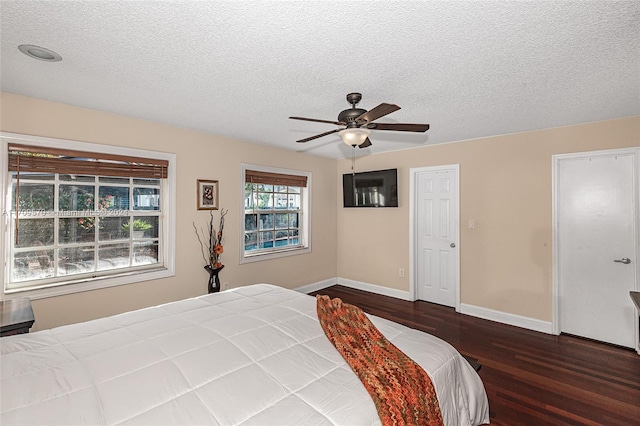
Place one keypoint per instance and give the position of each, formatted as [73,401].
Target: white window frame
[168,200]
[304,219]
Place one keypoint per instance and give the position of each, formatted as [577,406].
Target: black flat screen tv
[371,189]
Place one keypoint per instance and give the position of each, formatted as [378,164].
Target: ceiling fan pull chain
[353,160]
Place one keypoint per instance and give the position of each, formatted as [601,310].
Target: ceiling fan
[359,122]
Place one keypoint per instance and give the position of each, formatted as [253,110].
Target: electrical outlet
[472,224]
[224,286]
[401,272]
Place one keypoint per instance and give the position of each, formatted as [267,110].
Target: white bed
[254,355]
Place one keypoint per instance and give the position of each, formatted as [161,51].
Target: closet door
[597,229]
[436,236]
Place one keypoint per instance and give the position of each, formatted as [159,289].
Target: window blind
[254,176]
[25,158]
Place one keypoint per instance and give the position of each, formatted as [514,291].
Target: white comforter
[254,355]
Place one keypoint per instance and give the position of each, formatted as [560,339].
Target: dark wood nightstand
[16,316]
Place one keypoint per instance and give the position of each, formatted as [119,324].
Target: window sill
[95,284]
[258,257]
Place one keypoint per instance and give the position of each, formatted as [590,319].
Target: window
[80,218]
[276,212]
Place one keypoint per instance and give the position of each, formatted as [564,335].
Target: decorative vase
[214,281]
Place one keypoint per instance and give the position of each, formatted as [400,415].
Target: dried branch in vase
[212,251]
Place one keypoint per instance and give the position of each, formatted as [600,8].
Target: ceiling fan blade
[318,136]
[366,143]
[337,123]
[377,112]
[398,127]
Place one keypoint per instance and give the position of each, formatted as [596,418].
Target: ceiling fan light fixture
[354,136]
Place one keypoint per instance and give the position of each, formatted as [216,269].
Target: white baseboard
[358,285]
[317,285]
[373,288]
[507,318]
[472,310]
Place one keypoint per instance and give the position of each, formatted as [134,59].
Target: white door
[436,227]
[596,212]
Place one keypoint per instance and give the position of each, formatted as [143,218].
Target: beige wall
[199,156]
[505,186]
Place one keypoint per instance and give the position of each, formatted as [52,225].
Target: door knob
[624,260]
[452,245]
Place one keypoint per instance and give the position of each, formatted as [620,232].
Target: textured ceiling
[240,68]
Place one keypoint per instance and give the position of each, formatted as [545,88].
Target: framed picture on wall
[207,194]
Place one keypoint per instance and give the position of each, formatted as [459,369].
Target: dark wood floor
[531,378]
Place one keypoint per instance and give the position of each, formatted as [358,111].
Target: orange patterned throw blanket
[401,390]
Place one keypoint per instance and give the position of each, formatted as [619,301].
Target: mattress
[254,355]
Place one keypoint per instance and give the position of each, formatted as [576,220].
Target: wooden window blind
[254,176]
[25,158]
